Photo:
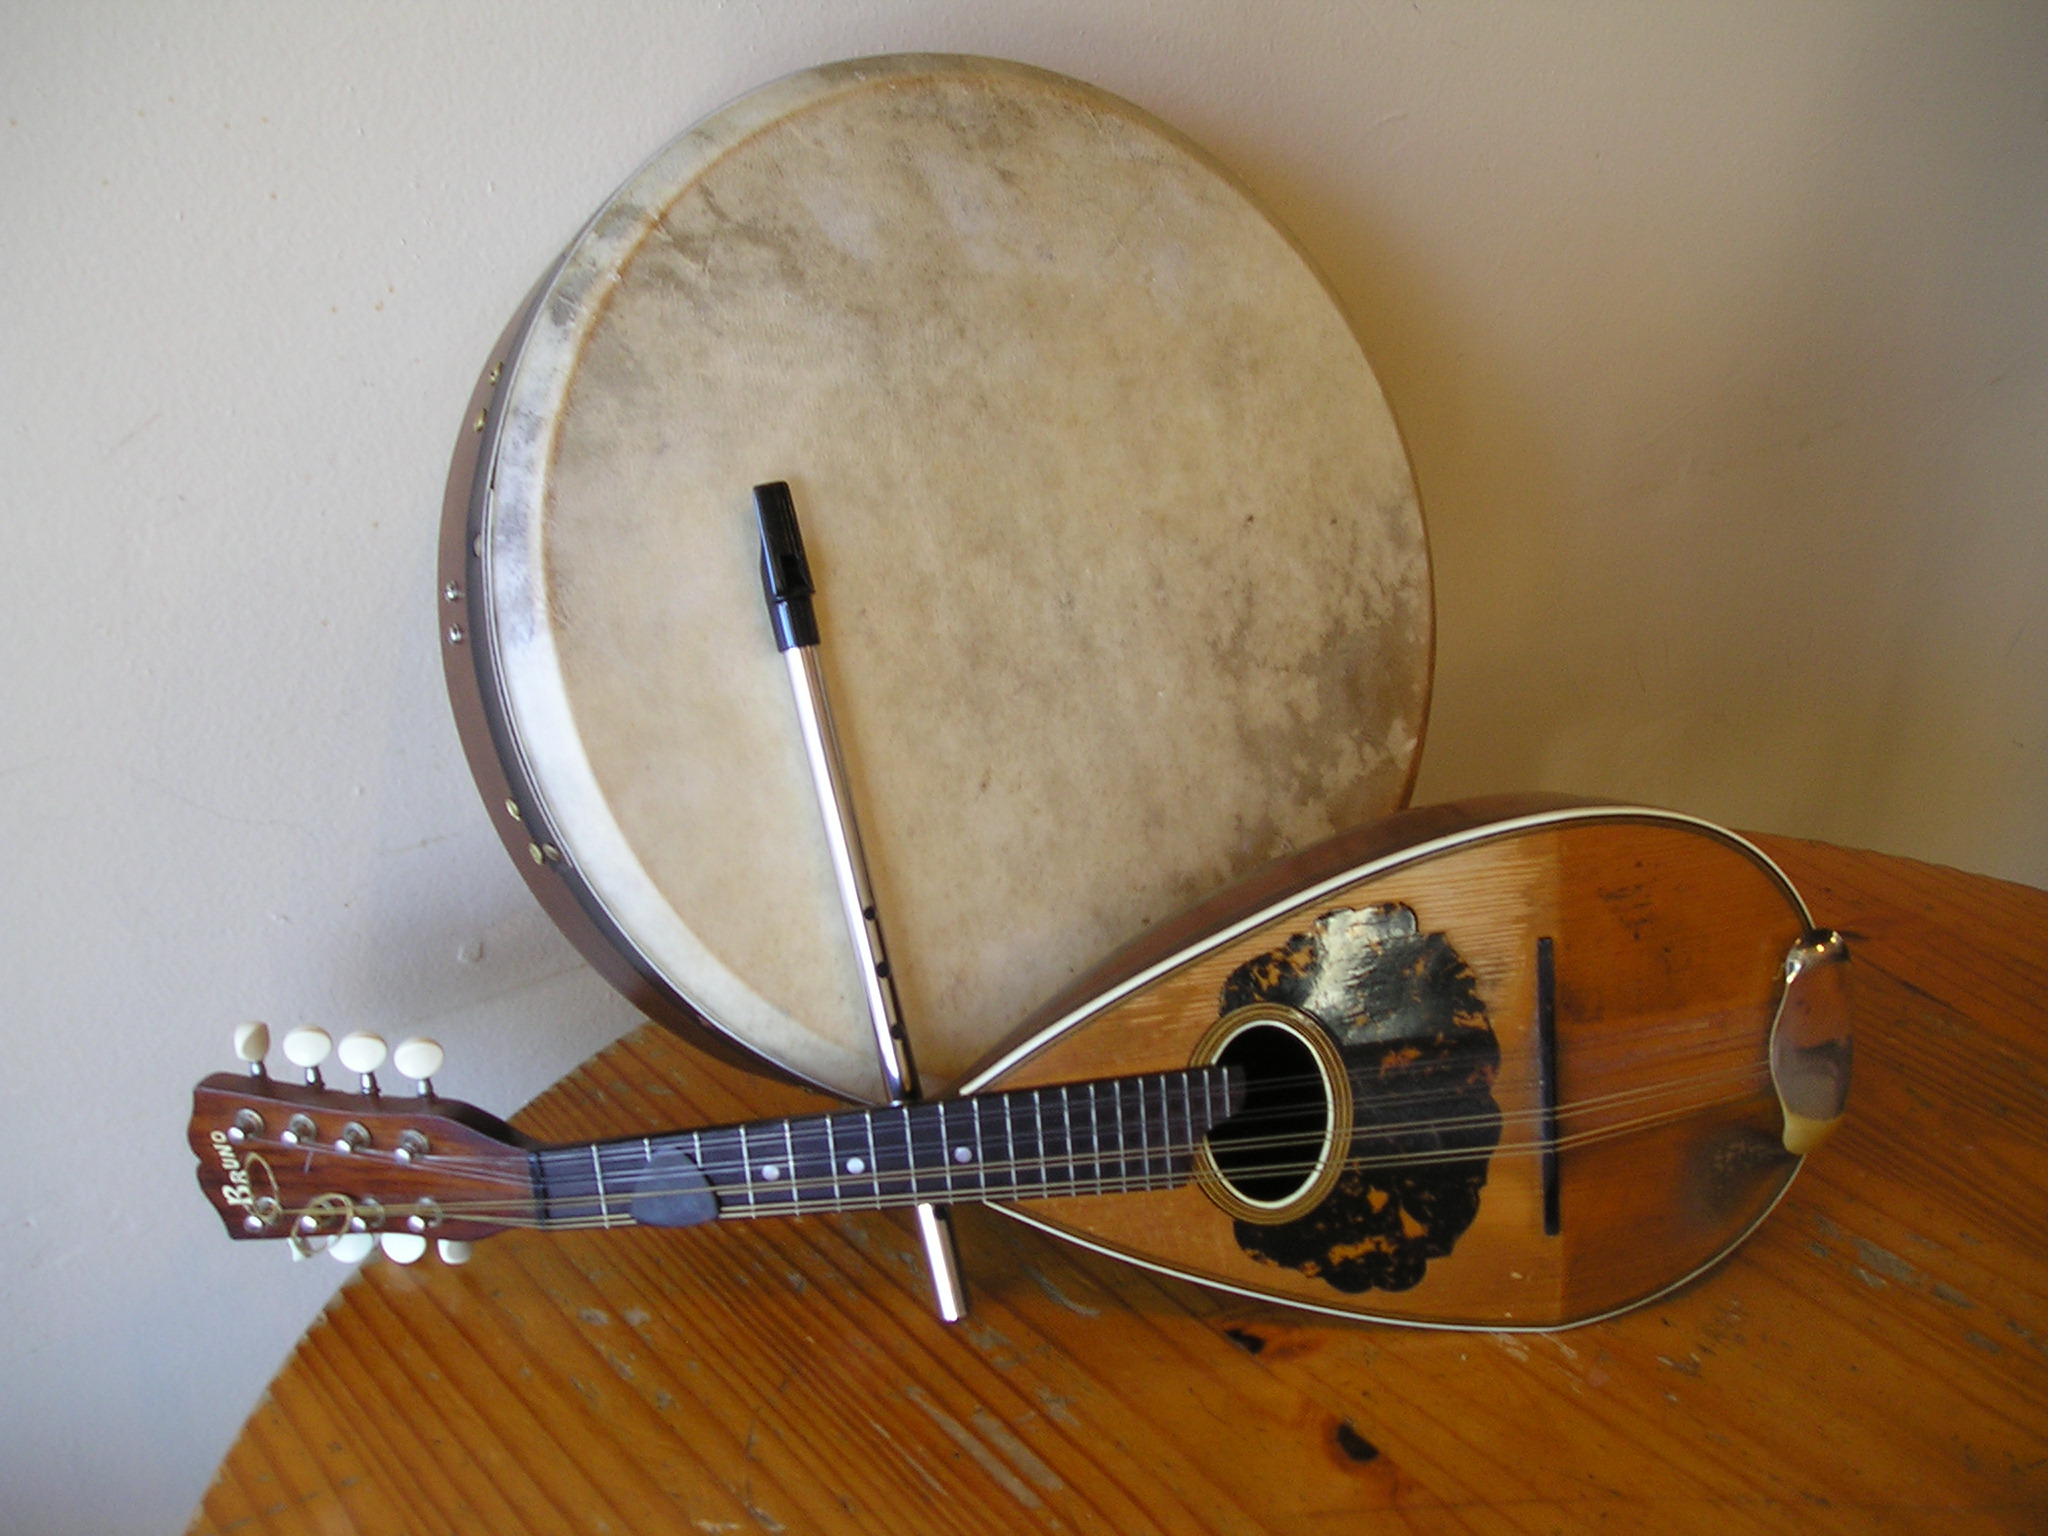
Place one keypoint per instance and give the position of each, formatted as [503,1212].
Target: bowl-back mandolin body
[1508,1064]
[1555,1023]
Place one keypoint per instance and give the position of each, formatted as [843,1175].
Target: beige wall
[1718,334]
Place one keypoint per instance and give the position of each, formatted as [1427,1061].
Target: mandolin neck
[1103,1137]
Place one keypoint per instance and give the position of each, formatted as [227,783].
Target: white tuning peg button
[307,1046]
[454,1250]
[419,1058]
[352,1247]
[403,1247]
[252,1044]
[362,1053]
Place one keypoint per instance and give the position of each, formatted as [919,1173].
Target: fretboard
[1103,1137]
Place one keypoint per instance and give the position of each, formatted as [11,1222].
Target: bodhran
[1123,582]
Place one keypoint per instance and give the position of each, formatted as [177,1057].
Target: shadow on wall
[1708,522]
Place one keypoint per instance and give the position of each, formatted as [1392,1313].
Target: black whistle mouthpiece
[785,573]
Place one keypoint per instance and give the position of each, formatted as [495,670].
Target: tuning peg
[352,1247]
[454,1250]
[362,1053]
[419,1058]
[252,1044]
[403,1247]
[307,1046]
[304,1245]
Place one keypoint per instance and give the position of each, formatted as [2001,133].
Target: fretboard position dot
[962,1155]
[855,1165]
[770,1171]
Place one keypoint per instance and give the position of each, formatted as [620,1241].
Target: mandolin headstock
[310,1165]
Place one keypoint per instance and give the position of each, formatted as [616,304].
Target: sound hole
[1269,1151]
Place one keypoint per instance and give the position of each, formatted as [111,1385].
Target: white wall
[1718,333]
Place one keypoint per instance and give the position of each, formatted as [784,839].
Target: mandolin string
[1368,1088]
[601,1216]
[1383,1128]
[505,1212]
[1672,1042]
[1016,1167]
[1369,1085]
[1287,1146]
[1377,1097]
[1071,1183]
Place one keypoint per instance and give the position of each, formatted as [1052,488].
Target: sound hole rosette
[1294,1072]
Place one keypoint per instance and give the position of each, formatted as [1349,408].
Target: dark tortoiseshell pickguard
[1405,1014]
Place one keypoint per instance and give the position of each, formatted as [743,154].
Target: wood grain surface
[1671,950]
[1875,1358]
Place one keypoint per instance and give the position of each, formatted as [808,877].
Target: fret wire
[1041,1158]
[789,1150]
[1065,1127]
[1123,1166]
[603,1205]
[1166,1130]
[1166,1118]
[1144,1137]
[812,1189]
[1065,1115]
[646,1155]
[893,1195]
[1038,1119]
[1151,1121]
[874,1157]
[945,1151]
[1166,1115]
[832,1153]
[1144,1134]
[1095,1138]
[1178,1142]
[747,1168]
[1035,1158]
[980,1157]
[1076,1184]
[987,1160]
[705,1161]
[1049,1158]
[1010,1138]
[910,1153]
[1187,1109]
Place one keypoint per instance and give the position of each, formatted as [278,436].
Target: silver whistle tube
[786,581]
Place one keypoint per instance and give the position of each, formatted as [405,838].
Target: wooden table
[1876,1358]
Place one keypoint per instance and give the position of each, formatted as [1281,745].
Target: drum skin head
[1123,582]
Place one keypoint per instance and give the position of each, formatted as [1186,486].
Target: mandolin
[1507,1064]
